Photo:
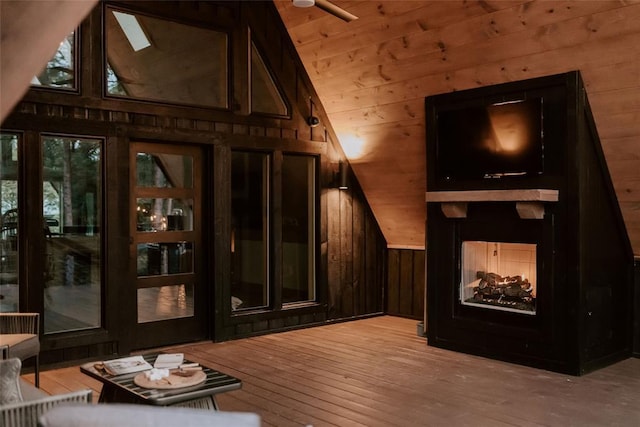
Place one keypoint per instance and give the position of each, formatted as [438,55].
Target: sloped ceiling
[373,74]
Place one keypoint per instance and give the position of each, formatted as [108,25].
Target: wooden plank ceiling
[373,74]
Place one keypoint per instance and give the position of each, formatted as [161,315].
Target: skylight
[132,29]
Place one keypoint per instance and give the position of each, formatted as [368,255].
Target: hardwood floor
[378,372]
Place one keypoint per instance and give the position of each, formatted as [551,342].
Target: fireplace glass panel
[499,276]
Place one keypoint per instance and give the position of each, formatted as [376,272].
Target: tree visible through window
[72,211]
[60,70]
[9,278]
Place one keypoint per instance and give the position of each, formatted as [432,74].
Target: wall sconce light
[342,176]
[313,121]
[303,3]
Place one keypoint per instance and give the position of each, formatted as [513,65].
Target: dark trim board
[636,311]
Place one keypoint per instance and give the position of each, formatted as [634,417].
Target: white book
[168,360]
[126,365]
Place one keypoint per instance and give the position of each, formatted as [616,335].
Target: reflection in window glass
[114,86]
[164,170]
[9,279]
[156,259]
[60,70]
[165,302]
[155,59]
[298,228]
[265,96]
[164,214]
[72,210]
[249,237]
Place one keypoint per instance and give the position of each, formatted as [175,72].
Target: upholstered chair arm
[27,413]
[19,323]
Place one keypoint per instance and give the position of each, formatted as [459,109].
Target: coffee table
[122,389]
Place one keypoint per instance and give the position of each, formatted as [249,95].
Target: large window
[253,244]
[249,230]
[9,278]
[298,228]
[156,59]
[72,212]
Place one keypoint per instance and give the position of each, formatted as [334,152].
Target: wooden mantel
[529,202]
[527,195]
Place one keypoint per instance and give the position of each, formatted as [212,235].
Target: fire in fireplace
[499,276]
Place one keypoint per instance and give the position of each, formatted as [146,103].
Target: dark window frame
[106,6]
[275,242]
[77,67]
[265,60]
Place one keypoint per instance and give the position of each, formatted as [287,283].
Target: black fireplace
[528,259]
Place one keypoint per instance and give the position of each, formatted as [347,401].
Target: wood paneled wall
[373,74]
[351,248]
[406,283]
[356,255]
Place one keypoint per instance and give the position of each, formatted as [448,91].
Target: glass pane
[164,214]
[72,210]
[499,276]
[249,225]
[155,59]
[60,70]
[165,302]
[9,279]
[265,96]
[164,170]
[298,229]
[157,259]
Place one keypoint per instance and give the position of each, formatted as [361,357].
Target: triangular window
[60,71]
[265,95]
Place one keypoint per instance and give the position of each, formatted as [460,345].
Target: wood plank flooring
[378,372]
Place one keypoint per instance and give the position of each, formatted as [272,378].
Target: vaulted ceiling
[372,76]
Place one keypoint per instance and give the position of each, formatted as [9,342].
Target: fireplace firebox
[499,276]
[528,259]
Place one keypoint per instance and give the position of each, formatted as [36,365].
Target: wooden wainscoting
[378,372]
[406,283]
